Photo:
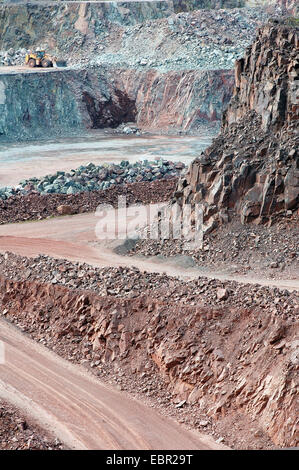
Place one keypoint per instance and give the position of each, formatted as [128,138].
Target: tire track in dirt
[78,408]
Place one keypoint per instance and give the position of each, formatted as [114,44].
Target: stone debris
[128,282]
[252,167]
[168,340]
[36,206]
[13,57]
[93,177]
[209,39]
[64,210]
[237,249]
[19,433]
[222,294]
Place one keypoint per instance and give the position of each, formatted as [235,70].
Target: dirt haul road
[19,69]
[80,410]
[74,238]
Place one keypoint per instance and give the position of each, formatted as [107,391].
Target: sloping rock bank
[228,347]
[29,22]
[237,249]
[204,39]
[252,166]
[123,13]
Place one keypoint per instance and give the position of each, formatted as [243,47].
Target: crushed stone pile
[93,177]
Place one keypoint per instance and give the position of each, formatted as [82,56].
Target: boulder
[64,210]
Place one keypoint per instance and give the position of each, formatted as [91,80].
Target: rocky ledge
[252,167]
[227,348]
[19,433]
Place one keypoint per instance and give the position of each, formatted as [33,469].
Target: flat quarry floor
[38,158]
[16,69]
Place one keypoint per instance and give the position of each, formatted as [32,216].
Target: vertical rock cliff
[252,167]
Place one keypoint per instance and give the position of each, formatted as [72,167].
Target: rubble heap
[19,433]
[96,178]
[36,206]
[252,167]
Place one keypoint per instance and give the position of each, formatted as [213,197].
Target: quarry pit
[147,344]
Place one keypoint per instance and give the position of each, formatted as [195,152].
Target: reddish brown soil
[232,360]
[36,206]
[17,432]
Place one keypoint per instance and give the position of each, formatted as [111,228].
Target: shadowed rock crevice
[115,111]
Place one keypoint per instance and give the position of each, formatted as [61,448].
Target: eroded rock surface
[64,102]
[252,167]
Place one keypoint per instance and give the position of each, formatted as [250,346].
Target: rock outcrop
[252,167]
[136,34]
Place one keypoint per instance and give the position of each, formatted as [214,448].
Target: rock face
[252,167]
[231,348]
[179,101]
[66,101]
[165,65]
[141,35]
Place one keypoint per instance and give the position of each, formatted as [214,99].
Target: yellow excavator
[42,59]
[38,59]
